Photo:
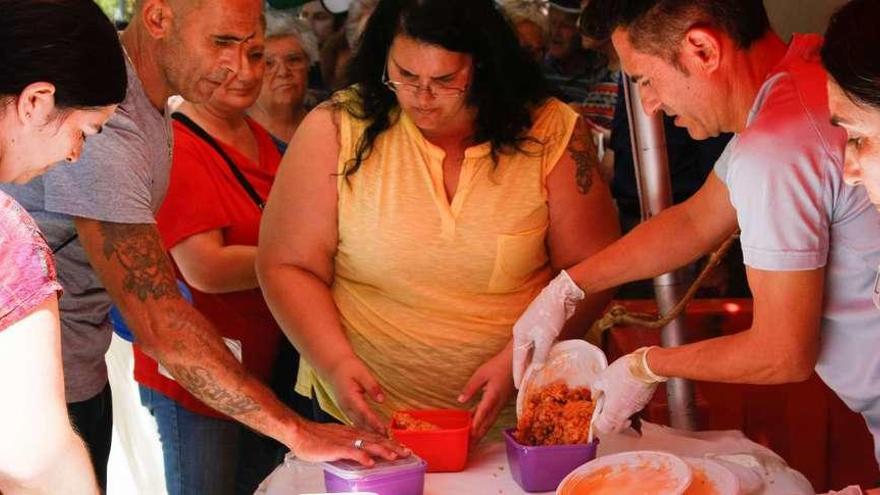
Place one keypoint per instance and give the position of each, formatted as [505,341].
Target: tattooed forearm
[199,382]
[138,249]
[185,337]
[583,152]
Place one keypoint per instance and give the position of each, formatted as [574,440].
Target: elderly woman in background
[291,48]
[530,22]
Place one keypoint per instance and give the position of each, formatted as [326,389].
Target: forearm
[662,244]
[186,343]
[220,270]
[781,346]
[737,358]
[308,315]
[135,270]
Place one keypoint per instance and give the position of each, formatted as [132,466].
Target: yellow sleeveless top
[428,291]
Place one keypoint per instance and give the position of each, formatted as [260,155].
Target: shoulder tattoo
[583,152]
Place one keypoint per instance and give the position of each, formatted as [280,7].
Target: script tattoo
[199,382]
[189,340]
[583,152]
[137,247]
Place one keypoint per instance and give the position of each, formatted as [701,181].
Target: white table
[487,471]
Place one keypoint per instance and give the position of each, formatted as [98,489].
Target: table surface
[487,471]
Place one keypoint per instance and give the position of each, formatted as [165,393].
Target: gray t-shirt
[121,177]
[784,174]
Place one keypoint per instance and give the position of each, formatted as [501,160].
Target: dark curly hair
[849,52]
[507,84]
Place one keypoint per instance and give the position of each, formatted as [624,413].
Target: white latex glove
[627,385]
[540,324]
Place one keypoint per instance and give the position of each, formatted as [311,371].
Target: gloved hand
[627,385]
[540,324]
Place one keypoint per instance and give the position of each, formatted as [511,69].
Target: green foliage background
[110,7]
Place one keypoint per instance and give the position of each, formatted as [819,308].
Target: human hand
[540,324]
[319,442]
[494,379]
[352,384]
[627,385]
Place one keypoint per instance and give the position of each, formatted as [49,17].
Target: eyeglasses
[291,61]
[436,90]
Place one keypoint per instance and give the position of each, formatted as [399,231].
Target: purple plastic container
[400,477]
[541,469]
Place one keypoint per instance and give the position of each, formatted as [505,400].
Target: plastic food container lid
[678,471]
[712,477]
[353,470]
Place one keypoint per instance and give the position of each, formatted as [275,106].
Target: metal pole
[655,194]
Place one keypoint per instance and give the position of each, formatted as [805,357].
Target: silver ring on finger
[359,443]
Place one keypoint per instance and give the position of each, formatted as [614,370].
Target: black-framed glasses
[436,90]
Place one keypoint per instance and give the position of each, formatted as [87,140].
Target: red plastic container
[446,449]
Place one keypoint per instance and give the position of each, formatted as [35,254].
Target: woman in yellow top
[417,214]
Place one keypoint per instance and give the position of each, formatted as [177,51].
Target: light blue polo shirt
[784,174]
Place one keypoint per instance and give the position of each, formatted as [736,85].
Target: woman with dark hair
[850,56]
[63,75]
[454,189]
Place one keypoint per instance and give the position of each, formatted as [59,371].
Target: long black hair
[506,86]
[69,43]
[850,51]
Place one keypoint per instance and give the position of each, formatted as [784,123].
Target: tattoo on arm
[201,383]
[203,365]
[583,152]
[139,250]
[197,379]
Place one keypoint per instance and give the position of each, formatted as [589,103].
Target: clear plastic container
[399,477]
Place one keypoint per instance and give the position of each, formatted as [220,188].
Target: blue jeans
[205,455]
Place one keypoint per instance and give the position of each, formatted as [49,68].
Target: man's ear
[36,103]
[157,15]
[701,49]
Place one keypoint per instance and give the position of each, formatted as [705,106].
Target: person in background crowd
[530,23]
[64,75]
[99,220]
[323,22]
[418,235]
[338,50]
[598,107]
[569,68]
[810,242]
[327,26]
[290,50]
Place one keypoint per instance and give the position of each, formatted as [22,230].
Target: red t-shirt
[27,276]
[204,195]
